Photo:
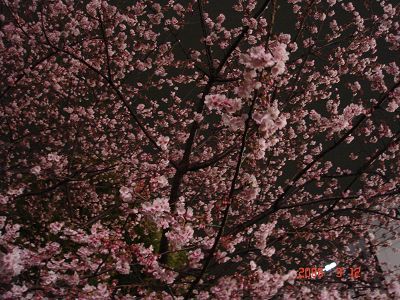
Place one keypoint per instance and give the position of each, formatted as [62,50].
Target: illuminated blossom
[36,170]
[221,102]
[126,194]
[12,262]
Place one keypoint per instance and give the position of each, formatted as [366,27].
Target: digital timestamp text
[319,273]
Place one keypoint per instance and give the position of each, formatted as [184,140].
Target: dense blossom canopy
[198,149]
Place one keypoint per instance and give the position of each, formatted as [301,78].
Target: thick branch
[230,201]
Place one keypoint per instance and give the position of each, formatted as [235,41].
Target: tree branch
[230,201]
[275,206]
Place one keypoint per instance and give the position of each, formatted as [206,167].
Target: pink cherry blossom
[257,58]
[12,263]
[192,150]
[36,170]
[221,102]
[126,194]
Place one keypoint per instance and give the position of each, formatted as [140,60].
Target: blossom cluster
[274,56]
[221,102]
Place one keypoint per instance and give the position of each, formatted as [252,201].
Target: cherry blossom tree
[198,149]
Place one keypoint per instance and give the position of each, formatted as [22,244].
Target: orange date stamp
[318,272]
